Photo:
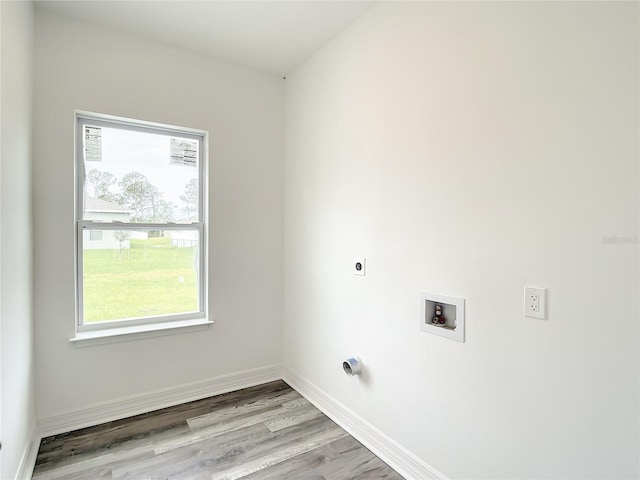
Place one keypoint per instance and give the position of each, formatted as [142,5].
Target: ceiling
[272,36]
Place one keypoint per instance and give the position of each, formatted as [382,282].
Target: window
[141,223]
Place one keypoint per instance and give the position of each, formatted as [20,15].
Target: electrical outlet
[357,266]
[535,302]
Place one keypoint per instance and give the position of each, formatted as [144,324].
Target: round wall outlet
[358,266]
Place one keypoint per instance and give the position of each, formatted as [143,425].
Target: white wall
[16,315]
[470,149]
[81,66]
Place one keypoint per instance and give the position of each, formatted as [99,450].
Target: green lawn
[151,278]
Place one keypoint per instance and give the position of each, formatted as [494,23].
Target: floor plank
[266,432]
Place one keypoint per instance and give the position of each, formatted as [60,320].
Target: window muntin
[140,187]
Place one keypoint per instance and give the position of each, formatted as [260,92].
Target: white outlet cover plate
[542,295]
[354,265]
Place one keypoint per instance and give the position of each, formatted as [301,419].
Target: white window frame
[119,327]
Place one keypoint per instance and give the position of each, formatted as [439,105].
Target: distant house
[96,209]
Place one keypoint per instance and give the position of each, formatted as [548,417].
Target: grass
[150,278]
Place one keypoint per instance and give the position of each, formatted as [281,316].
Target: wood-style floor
[266,432]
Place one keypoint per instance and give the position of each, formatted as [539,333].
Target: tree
[161,210]
[101,183]
[121,236]
[190,199]
[136,194]
[144,199]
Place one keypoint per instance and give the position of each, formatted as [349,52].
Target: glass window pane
[134,176]
[140,273]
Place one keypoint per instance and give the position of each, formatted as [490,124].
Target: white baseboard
[391,452]
[394,454]
[147,402]
[28,460]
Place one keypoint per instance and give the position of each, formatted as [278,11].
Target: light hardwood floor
[266,432]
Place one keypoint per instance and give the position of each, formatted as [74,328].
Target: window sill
[111,335]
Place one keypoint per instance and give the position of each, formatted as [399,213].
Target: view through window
[140,222]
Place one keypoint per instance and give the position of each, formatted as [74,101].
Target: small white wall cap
[352,366]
